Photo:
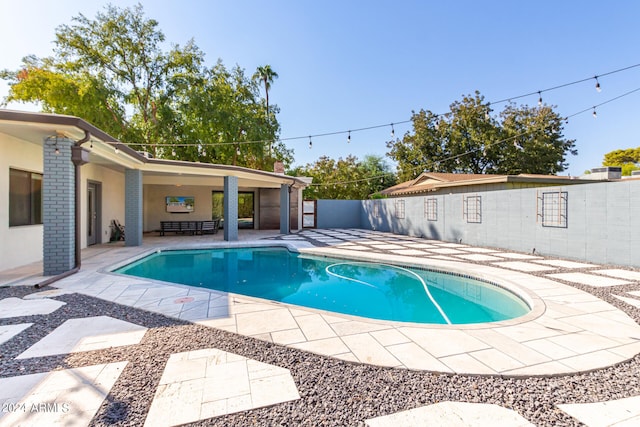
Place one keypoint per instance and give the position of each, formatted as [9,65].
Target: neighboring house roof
[35,127]
[433,181]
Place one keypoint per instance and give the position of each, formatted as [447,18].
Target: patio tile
[497,360]
[16,307]
[74,395]
[550,349]
[413,356]
[607,413]
[314,327]
[368,350]
[446,251]
[631,301]
[515,255]
[583,342]
[522,266]
[589,279]
[253,323]
[354,327]
[479,257]
[443,342]
[329,346]
[466,364]
[564,263]
[86,334]
[589,361]
[386,246]
[388,337]
[408,252]
[620,274]
[453,414]
[51,293]
[290,336]
[9,331]
[480,250]
[210,382]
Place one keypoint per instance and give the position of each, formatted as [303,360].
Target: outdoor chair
[117,230]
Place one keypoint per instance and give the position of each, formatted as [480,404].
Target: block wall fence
[595,222]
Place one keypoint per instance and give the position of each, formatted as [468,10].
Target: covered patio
[87,179]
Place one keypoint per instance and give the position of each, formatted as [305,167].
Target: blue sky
[353,64]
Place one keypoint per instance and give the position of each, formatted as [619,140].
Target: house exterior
[63,181]
[451,183]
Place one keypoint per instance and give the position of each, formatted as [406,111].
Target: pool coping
[568,331]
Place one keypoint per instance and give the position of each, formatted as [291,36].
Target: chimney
[278,167]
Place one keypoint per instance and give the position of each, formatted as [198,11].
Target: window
[552,209]
[472,209]
[25,198]
[400,209]
[431,208]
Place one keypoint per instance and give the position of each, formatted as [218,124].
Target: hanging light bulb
[382,180]
[349,138]
[173,152]
[539,98]
[393,131]
[310,143]
[56,151]
[594,114]
[598,88]
[238,150]
[91,144]
[486,113]
[117,150]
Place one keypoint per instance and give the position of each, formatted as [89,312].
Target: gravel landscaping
[333,392]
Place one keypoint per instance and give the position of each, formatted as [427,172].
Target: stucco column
[284,209]
[133,203]
[58,207]
[230,208]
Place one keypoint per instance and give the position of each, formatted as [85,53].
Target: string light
[594,114]
[393,131]
[173,153]
[57,150]
[116,150]
[238,150]
[349,138]
[510,99]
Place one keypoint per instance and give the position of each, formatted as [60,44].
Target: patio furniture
[192,227]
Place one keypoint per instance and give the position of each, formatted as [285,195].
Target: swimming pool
[373,290]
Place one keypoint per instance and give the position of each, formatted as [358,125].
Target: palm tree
[266,75]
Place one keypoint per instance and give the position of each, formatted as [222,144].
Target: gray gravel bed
[333,392]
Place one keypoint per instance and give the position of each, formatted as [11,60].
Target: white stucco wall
[18,245]
[112,183]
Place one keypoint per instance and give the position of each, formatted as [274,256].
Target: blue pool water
[376,291]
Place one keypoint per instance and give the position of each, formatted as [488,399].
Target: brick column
[284,209]
[230,208]
[133,207]
[58,207]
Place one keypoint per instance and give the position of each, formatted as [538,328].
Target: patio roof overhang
[36,127]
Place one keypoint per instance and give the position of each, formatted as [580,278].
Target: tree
[628,159]
[266,75]
[469,139]
[113,72]
[346,178]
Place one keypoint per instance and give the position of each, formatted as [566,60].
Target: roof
[35,127]
[433,181]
